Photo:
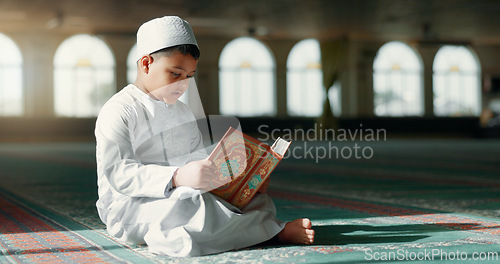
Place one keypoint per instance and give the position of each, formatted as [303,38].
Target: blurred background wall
[415,68]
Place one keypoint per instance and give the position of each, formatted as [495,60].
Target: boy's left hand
[264,186]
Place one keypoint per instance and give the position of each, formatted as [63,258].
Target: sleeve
[116,161]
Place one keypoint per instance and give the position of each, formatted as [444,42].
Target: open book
[243,163]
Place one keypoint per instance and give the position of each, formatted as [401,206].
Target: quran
[243,163]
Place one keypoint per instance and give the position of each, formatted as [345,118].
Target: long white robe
[140,144]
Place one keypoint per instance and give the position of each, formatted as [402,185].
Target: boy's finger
[207,162]
[211,174]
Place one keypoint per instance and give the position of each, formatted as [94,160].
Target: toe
[306,223]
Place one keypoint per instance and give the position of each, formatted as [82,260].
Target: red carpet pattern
[27,237]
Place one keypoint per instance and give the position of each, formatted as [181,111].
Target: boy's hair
[184,49]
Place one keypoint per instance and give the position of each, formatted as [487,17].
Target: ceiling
[425,20]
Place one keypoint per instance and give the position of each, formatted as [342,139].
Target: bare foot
[297,232]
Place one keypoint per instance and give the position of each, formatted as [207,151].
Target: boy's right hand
[196,174]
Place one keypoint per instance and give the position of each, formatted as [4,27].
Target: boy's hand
[196,174]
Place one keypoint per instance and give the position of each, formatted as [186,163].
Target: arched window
[246,76]
[305,93]
[132,64]
[84,76]
[334,95]
[11,78]
[456,82]
[397,81]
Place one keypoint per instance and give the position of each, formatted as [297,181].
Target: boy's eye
[176,74]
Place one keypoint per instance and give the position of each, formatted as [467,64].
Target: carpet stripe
[416,176]
[371,208]
[454,221]
[28,237]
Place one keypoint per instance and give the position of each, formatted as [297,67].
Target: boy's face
[168,76]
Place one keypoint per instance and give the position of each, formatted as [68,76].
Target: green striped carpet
[431,200]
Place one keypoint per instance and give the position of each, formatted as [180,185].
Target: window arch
[334,95]
[84,76]
[397,81]
[132,64]
[246,79]
[304,79]
[456,82]
[11,78]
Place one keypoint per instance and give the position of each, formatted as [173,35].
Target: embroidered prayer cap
[163,32]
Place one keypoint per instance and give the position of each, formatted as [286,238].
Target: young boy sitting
[148,193]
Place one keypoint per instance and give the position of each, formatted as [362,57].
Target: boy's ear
[144,63]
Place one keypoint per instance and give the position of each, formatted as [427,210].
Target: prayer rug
[26,236]
[351,231]
[429,200]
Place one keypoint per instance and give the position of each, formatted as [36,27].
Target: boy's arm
[117,162]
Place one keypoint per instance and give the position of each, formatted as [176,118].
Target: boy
[149,192]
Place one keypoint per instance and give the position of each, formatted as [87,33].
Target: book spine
[258,150]
[257,176]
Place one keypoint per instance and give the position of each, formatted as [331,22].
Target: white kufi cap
[163,32]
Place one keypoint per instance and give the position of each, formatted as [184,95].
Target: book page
[280,146]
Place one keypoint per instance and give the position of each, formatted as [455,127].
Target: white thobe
[140,144]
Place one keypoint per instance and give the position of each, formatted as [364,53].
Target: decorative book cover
[243,163]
